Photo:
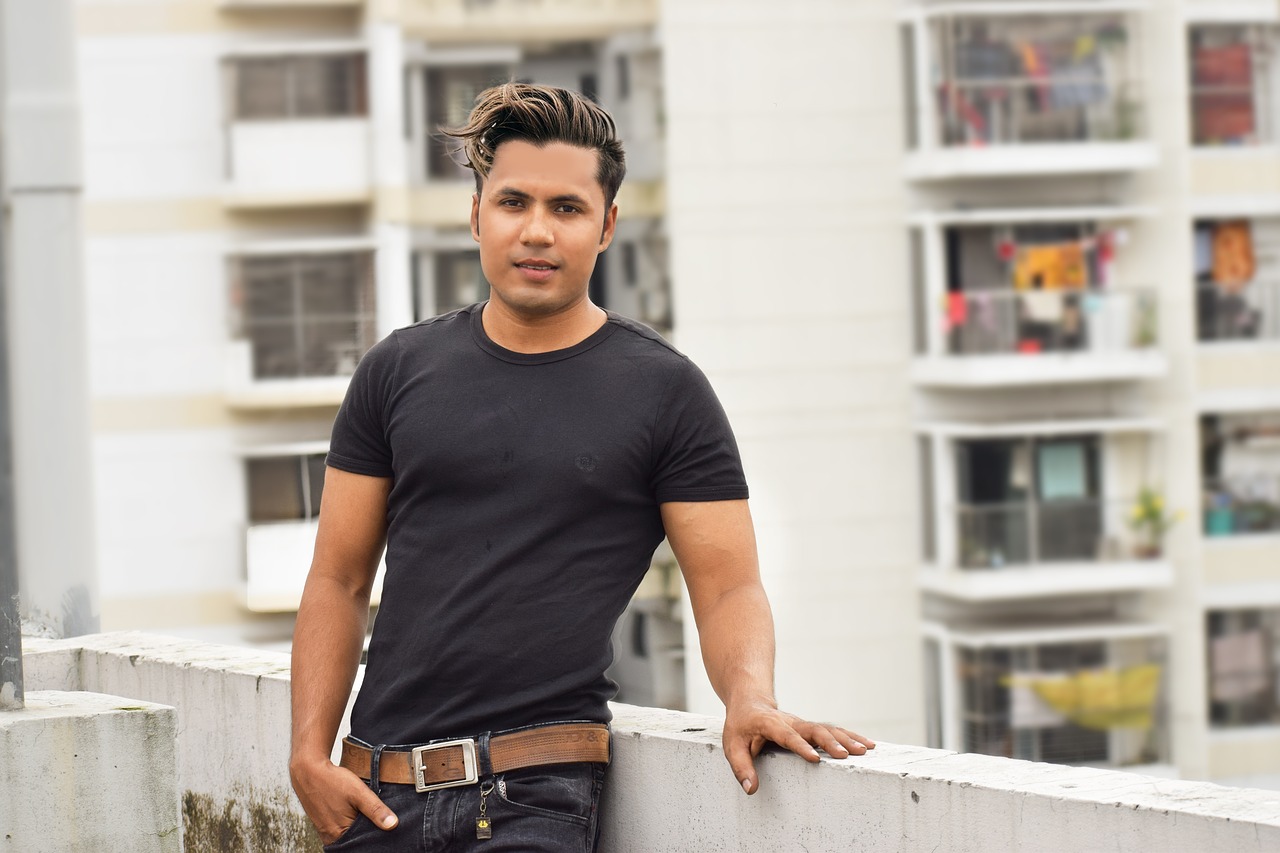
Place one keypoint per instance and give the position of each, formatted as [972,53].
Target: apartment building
[988,289]
[267,197]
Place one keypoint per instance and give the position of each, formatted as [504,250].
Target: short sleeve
[697,456]
[359,442]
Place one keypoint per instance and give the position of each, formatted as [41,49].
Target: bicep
[353,527]
[715,544]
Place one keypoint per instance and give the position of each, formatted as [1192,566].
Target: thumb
[373,808]
[738,754]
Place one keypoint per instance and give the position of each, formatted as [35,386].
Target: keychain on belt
[484,827]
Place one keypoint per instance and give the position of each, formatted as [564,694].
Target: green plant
[1151,519]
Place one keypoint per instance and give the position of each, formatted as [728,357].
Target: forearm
[736,634]
[327,642]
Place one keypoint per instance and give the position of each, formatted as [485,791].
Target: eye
[509,202]
[567,208]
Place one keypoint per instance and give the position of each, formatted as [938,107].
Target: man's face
[540,220]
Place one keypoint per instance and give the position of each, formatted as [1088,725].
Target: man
[521,459]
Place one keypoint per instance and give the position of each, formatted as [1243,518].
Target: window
[451,93]
[304,315]
[292,87]
[285,488]
[1029,501]
[1238,279]
[459,280]
[1093,703]
[1240,467]
[1016,80]
[1232,97]
[1242,656]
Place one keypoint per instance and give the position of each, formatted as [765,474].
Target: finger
[739,754]
[373,808]
[852,739]
[787,737]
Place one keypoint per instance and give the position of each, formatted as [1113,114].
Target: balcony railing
[1248,313]
[1041,321]
[1247,504]
[1060,107]
[1029,533]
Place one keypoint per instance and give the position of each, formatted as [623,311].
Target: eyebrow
[573,198]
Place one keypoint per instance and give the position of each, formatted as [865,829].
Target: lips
[535,269]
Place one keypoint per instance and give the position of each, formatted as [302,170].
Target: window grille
[292,87]
[305,315]
[459,280]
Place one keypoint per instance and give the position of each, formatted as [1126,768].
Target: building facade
[989,291]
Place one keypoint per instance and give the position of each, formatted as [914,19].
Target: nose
[537,229]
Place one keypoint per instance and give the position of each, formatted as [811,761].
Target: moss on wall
[247,823]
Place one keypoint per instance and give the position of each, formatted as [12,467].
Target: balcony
[524,20]
[1088,694]
[1019,511]
[299,131]
[992,338]
[1027,89]
[669,788]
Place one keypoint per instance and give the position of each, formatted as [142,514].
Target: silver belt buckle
[469,765]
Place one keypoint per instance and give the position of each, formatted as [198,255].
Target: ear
[475,217]
[610,223]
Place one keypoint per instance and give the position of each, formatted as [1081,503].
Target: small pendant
[484,829]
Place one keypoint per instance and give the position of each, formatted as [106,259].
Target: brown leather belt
[453,763]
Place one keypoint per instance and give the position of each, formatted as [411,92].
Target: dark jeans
[534,810]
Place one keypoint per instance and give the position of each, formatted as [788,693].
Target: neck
[536,333]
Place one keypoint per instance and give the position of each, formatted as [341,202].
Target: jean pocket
[357,828]
[567,792]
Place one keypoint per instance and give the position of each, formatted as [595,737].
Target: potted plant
[1150,520]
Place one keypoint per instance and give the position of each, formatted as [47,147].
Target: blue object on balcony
[1219,521]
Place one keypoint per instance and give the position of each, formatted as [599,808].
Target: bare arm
[716,547]
[327,642]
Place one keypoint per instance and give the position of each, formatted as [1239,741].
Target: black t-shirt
[523,514]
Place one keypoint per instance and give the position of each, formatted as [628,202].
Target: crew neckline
[496,350]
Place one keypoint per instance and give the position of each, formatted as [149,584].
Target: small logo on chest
[585,462]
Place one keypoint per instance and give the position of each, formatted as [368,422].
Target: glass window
[1243,647]
[285,488]
[451,93]
[1231,99]
[305,315]
[299,87]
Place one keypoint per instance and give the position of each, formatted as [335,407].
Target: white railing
[1004,322]
[1030,533]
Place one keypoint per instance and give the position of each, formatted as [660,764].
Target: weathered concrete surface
[87,772]
[233,729]
[669,788]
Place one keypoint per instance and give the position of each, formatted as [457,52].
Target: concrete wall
[670,789]
[86,772]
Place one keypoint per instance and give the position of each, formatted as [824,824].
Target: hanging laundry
[1224,111]
[1233,260]
[1051,267]
[1034,66]
[1103,699]
[1077,83]
[957,309]
[1039,306]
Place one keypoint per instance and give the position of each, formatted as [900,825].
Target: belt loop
[375,760]
[486,767]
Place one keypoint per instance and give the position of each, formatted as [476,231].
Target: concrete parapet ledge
[670,788]
[87,772]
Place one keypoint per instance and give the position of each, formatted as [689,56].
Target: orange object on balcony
[1234,263]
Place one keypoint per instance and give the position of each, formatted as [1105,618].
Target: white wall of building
[788,263]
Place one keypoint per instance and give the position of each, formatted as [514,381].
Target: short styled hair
[540,115]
